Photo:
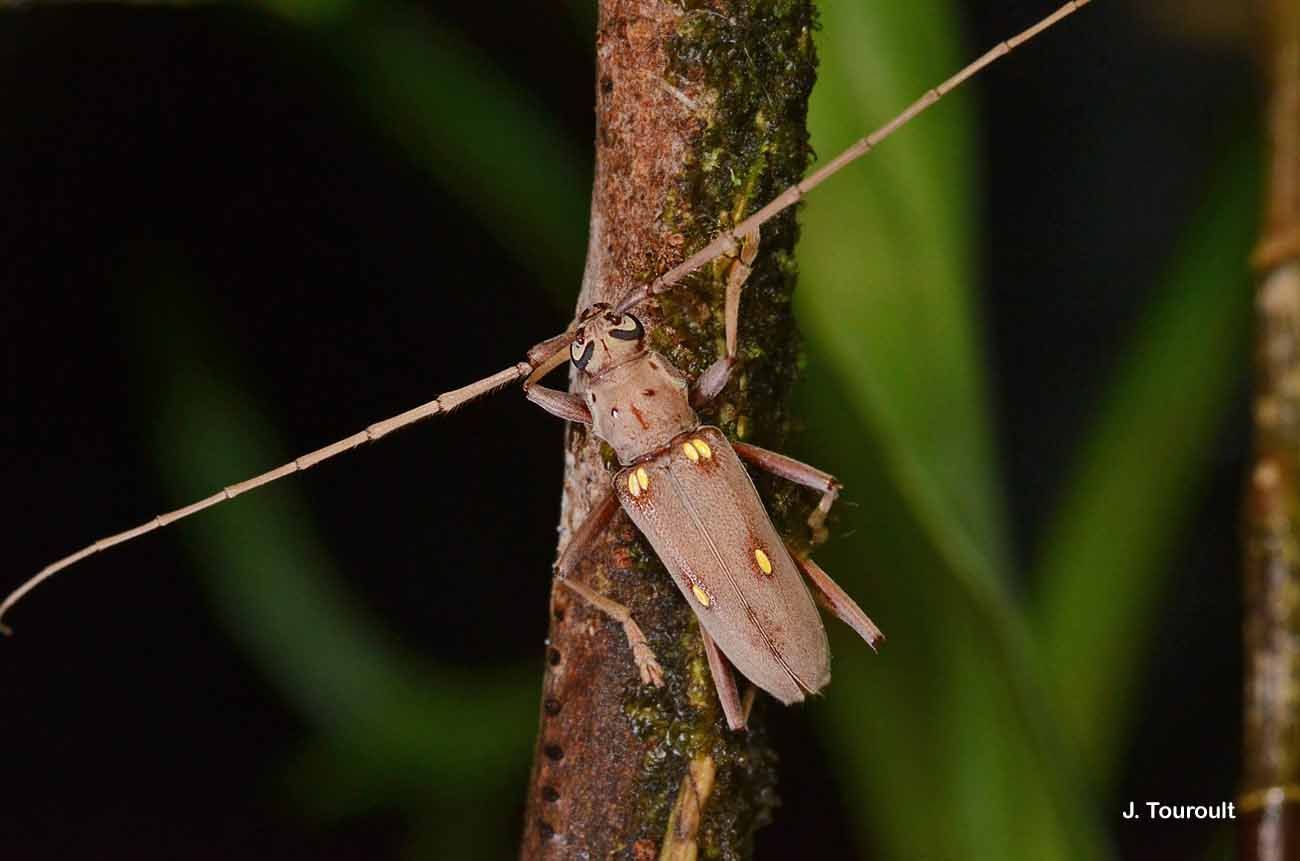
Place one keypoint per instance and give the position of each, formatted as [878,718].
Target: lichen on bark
[701,109]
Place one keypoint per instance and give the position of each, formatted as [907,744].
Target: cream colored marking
[735,587]
[632,487]
[763,562]
[700,595]
[703,448]
[691,452]
[642,478]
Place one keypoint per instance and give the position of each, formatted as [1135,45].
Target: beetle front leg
[642,655]
[562,405]
[715,377]
[800,473]
[829,594]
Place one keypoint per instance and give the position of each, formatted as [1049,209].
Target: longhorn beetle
[683,484]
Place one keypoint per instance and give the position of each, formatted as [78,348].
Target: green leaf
[474,131]
[384,718]
[1109,549]
[482,137]
[887,265]
[950,725]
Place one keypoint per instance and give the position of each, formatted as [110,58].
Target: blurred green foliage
[384,719]
[1005,713]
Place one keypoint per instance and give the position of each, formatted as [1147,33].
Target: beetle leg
[642,655]
[597,519]
[829,594]
[711,383]
[738,273]
[736,712]
[747,703]
[800,473]
[715,377]
[562,405]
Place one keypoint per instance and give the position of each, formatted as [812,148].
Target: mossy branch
[700,112]
[1270,801]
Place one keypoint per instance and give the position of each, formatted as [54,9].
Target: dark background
[162,165]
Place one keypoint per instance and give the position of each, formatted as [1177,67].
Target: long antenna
[543,357]
[444,403]
[727,241]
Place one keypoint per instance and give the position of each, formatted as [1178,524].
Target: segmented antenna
[550,353]
[727,241]
[444,403]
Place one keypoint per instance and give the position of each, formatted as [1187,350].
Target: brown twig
[1271,758]
[700,118]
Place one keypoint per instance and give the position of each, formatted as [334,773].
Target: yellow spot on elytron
[632,487]
[702,447]
[691,452]
[763,561]
[642,478]
[700,595]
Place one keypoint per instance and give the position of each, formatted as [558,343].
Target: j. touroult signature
[1160,810]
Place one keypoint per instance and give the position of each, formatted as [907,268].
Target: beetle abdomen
[696,504]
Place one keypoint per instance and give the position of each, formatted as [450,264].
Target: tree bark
[701,113]
[1270,800]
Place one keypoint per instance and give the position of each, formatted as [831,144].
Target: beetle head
[605,338]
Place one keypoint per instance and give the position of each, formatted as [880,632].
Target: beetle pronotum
[681,482]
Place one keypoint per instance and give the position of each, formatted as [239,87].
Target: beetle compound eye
[628,329]
[581,354]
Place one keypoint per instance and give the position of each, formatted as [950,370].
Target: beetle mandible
[681,483]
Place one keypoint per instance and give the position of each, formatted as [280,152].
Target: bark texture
[701,112]
[1270,801]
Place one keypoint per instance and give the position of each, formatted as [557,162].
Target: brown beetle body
[707,524]
[686,490]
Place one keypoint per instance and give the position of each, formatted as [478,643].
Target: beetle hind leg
[734,708]
[829,594]
[642,655]
[800,473]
